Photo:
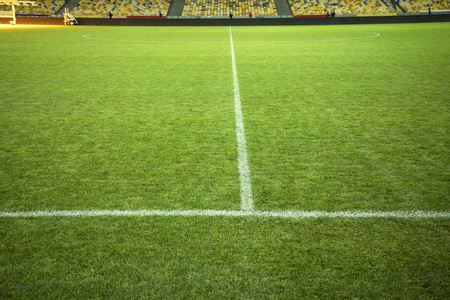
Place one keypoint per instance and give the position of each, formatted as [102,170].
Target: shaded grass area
[346,119]
[248,258]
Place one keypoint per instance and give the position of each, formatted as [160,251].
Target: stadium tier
[423,5]
[42,7]
[122,7]
[223,8]
[343,7]
[220,8]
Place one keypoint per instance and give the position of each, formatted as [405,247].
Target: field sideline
[337,189]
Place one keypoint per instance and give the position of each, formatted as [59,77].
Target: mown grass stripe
[244,170]
[291,214]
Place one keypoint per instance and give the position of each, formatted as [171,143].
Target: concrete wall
[34,21]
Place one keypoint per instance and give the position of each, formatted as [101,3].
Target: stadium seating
[222,8]
[415,6]
[122,7]
[341,7]
[42,7]
[4,7]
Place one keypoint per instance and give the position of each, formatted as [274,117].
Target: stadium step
[283,8]
[176,8]
[389,5]
[71,4]
[398,7]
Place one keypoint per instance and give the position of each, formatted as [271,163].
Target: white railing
[6,14]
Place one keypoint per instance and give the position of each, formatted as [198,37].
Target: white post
[14,14]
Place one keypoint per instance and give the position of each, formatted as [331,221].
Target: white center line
[244,171]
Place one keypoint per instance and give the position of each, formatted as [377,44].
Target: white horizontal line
[292,214]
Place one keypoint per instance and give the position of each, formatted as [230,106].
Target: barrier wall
[34,21]
[268,21]
[236,21]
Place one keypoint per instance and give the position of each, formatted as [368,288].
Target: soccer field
[218,162]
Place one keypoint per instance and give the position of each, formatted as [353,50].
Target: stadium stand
[223,8]
[42,7]
[416,6]
[4,7]
[341,7]
[122,8]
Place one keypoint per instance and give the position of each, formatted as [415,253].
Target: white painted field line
[373,35]
[91,37]
[244,170]
[292,214]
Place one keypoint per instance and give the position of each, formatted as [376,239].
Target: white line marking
[292,214]
[373,35]
[244,171]
[89,37]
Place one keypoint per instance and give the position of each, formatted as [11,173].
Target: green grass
[351,124]
[336,118]
[205,258]
[118,124]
